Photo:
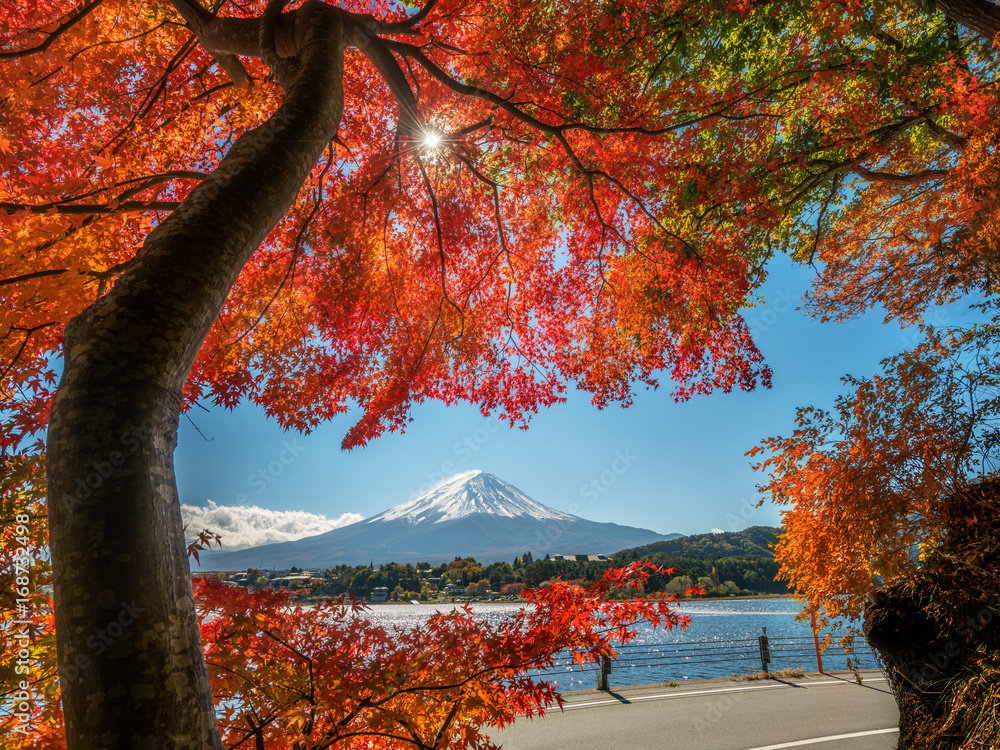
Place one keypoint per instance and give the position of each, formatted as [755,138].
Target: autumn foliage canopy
[519,196]
[493,267]
[599,202]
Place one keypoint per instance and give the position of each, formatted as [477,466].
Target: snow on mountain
[467,494]
[472,514]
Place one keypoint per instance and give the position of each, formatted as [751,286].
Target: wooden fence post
[605,673]
[819,658]
[765,651]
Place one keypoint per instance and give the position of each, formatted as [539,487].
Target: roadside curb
[626,693]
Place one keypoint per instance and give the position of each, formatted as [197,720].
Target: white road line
[830,738]
[670,695]
[636,699]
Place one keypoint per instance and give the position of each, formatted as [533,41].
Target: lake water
[720,641]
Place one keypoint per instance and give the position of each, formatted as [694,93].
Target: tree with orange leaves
[891,516]
[906,245]
[481,201]
[864,484]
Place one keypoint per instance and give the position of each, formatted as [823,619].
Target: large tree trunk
[938,631]
[131,666]
[981,16]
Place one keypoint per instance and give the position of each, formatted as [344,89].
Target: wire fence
[641,663]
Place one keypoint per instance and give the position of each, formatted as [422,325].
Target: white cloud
[242,526]
[718,531]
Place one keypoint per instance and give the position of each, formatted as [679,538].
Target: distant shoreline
[739,596]
[465,600]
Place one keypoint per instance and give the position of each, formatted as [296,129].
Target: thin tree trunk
[131,667]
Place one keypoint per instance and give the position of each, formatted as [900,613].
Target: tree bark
[980,16]
[937,631]
[131,666]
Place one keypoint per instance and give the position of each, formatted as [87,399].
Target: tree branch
[90,208]
[378,54]
[900,179]
[402,26]
[375,25]
[440,245]
[197,18]
[283,68]
[463,89]
[952,140]
[24,344]
[72,20]
[33,275]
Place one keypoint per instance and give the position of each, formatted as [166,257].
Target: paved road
[820,712]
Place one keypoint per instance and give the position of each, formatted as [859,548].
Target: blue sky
[658,464]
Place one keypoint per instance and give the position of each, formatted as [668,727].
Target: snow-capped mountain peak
[471,493]
[471,514]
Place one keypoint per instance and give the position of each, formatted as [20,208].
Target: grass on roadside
[786,672]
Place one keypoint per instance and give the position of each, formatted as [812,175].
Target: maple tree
[865,484]
[325,676]
[288,676]
[321,205]
[891,503]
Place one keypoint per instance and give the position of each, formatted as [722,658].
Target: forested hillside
[724,563]
[757,541]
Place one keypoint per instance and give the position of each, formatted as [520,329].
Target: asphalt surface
[820,711]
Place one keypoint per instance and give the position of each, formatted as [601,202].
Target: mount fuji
[472,514]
